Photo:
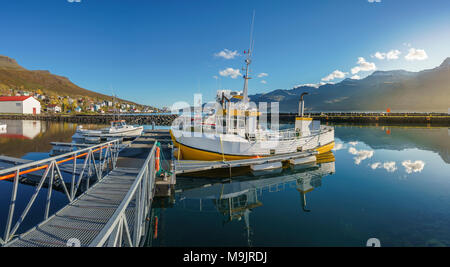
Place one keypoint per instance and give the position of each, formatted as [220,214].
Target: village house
[19,104]
[53,108]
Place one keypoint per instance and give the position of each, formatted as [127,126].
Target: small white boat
[92,140]
[117,129]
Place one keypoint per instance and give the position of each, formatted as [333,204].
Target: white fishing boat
[233,132]
[118,128]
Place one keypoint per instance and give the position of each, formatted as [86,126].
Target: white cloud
[363,66]
[216,77]
[360,154]
[375,165]
[390,166]
[353,143]
[391,55]
[233,73]
[263,82]
[379,55]
[262,74]
[337,74]
[355,77]
[374,1]
[227,54]
[411,167]
[416,54]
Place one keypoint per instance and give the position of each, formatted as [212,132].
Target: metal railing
[288,134]
[52,173]
[127,225]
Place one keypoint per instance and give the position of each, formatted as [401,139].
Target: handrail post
[100,174]
[72,188]
[12,205]
[137,226]
[49,192]
[89,169]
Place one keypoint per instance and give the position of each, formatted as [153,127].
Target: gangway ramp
[112,212]
[83,219]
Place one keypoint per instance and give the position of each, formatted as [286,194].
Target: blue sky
[159,52]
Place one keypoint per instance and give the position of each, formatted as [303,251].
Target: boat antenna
[118,111]
[248,61]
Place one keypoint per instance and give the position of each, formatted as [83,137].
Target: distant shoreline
[163,119]
[435,119]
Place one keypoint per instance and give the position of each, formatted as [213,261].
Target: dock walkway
[83,221]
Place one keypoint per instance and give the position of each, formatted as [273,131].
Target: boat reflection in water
[235,198]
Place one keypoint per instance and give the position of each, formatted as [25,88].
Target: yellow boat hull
[188,153]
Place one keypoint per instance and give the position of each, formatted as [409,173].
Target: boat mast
[248,61]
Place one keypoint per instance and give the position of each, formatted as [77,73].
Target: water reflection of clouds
[338,146]
[360,154]
[389,166]
[416,166]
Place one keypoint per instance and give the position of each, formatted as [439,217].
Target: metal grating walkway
[84,218]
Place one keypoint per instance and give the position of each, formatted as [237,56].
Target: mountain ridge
[13,75]
[398,90]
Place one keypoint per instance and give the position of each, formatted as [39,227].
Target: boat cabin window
[118,124]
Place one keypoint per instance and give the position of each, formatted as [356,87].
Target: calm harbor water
[391,183]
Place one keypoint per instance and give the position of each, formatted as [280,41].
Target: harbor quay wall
[161,120]
[167,119]
[440,119]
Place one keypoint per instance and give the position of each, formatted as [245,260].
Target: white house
[53,108]
[19,104]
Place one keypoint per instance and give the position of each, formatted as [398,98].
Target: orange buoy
[158,152]
[155,236]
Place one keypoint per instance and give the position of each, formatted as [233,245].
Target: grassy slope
[12,75]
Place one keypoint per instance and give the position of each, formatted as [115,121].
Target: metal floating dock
[188,166]
[112,212]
